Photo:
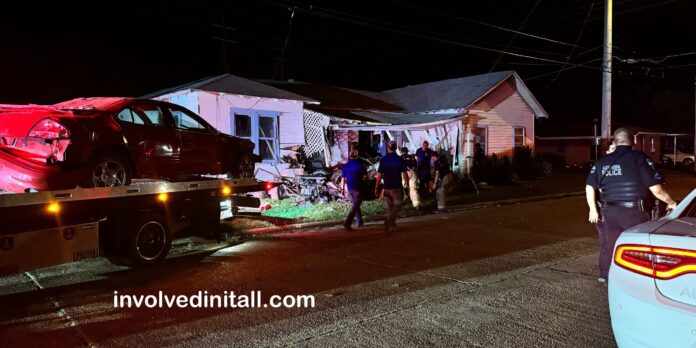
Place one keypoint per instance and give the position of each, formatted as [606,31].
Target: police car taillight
[655,262]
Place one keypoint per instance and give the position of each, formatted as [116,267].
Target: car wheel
[688,162]
[109,170]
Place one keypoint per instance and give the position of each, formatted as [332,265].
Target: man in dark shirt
[625,179]
[443,177]
[411,165]
[393,171]
[423,156]
[354,173]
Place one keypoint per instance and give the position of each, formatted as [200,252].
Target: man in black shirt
[625,179]
[423,156]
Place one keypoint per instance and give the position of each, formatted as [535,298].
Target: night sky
[53,52]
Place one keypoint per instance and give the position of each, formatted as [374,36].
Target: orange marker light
[162,197]
[226,190]
[53,208]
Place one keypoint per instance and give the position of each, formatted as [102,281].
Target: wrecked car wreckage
[318,184]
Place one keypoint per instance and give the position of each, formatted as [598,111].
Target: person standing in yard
[423,156]
[625,179]
[443,177]
[392,170]
[411,164]
[354,174]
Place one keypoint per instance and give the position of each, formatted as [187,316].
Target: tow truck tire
[148,242]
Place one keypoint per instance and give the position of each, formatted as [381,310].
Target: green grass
[288,209]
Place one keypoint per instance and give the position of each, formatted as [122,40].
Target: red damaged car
[107,142]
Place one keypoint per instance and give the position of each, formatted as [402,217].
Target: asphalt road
[515,275]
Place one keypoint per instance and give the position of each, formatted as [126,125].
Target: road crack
[62,313]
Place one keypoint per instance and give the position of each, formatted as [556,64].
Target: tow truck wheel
[148,242]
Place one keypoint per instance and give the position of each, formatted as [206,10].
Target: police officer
[625,179]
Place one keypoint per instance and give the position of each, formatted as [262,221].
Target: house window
[261,127]
[242,126]
[267,138]
[481,139]
[518,136]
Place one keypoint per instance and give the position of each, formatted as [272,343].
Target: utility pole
[606,75]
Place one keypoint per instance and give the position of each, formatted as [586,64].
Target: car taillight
[656,262]
[49,129]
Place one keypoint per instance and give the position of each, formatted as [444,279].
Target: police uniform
[623,179]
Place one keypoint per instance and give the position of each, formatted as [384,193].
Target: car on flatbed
[108,142]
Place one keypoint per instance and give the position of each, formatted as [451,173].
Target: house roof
[460,93]
[407,119]
[338,98]
[231,84]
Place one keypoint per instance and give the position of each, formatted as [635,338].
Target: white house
[270,117]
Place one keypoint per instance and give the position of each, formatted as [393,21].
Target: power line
[449,15]
[577,40]
[564,69]
[655,60]
[600,17]
[514,35]
[343,17]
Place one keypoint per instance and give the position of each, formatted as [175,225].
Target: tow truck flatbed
[130,225]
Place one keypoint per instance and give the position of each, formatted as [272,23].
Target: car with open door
[108,142]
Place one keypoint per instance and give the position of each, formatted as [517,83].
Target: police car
[652,281]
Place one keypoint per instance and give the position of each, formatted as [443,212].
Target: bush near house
[496,170]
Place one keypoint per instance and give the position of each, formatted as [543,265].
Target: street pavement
[507,276]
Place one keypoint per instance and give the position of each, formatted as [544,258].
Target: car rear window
[153,114]
[128,115]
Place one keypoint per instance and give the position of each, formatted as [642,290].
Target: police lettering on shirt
[614,170]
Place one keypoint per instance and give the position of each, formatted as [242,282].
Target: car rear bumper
[18,172]
[642,317]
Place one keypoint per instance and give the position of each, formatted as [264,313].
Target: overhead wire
[577,40]
[361,21]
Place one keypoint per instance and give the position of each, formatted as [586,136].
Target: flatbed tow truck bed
[130,225]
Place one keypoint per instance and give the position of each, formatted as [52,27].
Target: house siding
[501,111]
[215,108]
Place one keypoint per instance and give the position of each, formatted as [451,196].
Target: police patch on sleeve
[650,163]
[593,169]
